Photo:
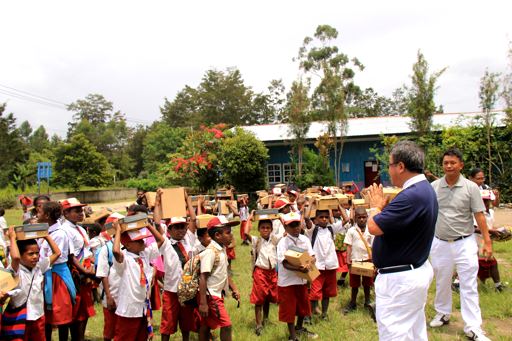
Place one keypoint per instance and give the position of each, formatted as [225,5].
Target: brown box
[240,196]
[271,213]
[203,219]
[298,257]
[223,207]
[195,198]
[360,203]
[150,199]
[391,192]
[342,198]
[173,203]
[262,193]
[223,193]
[327,202]
[363,268]
[313,190]
[264,200]
[7,280]
[134,222]
[31,231]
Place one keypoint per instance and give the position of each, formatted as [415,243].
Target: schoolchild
[28,300]
[340,216]
[283,205]
[243,212]
[132,265]
[264,275]
[292,289]
[214,281]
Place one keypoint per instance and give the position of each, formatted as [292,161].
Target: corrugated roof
[368,126]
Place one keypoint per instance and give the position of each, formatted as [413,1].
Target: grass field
[496,307]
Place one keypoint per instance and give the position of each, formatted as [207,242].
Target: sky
[136,53]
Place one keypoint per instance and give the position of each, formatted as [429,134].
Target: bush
[8,197]
[315,171]
[147,184]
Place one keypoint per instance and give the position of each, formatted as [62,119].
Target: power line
[33,95]
[30,99]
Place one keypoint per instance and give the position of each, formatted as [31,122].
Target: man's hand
[487,249]
[375,195]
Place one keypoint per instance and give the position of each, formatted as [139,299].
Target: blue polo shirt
[408,223]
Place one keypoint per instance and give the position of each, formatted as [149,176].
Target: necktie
[149,312]
[183,251]
[142,274]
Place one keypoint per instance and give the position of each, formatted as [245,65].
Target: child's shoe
[371,309]
[306,333]
[258,330]
[349,308]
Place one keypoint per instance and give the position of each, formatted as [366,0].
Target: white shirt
[218,279]
[324,247]
[78,236]
[60,237]
[103,269]
[3,225]
[359,252]
[287,277]
[35,302]
[172,264]
[131,301]
[413,180]
[267,256]
[96,243]
[277,228]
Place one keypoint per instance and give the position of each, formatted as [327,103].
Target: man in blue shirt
[404,229]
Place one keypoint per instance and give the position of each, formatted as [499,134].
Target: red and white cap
[291,217]
[294,192]
[486,194]
[114,217]
[281,203]
[177,220]
[220,221]
[326,190]
[70,203]
[133,235]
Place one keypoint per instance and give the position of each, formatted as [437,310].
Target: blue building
[358,163]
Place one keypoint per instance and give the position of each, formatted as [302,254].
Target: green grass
[496,307]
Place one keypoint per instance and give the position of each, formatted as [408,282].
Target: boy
[292,289]
[341,216]
[359,241]
[25,262]
[264,260]
[322,236]
[283,206]
[243,212]
[214,279]
[133,312]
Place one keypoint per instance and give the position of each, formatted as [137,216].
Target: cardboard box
[195,198]
[240,196]
[363,268]
[300,257]
[7,280]
[31,231]
[360,203]
[223,193]
[173,203]
[271,213]
[150,199]
[313,190]
[342,198]
[222,206]
[391,192]
[327,202]
[203,219]
[262,193]
[265,200]
[134,222]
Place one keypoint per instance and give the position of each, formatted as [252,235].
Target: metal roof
[369,126]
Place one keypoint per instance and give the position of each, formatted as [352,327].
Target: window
[274,173]
[287,172]
[345,167]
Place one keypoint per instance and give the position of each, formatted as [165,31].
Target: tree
[13,147]
[39,140]
[78,164]
[135,148]
[314,172]
[336,87]
[369,103]
[489,87]
[242,161]
[298,117]
[94,108]
[421,105]
[25,131]
[161,140]
[506,93]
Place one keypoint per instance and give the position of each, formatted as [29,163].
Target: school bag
[110,253]
[188,286]
[315,233]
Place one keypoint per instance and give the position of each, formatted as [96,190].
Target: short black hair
[138,209]
[2,211]
[410,155]
[214,230]
[453,152]
[475,171]
[24,244]
[95,228]
[53,210]
[317,213]
[201,232]
[264,221]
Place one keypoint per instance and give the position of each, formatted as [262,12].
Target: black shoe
[341,282]
[307,320]
[349,308]
[258,330]
[371,309]
[324,317]
[306,333]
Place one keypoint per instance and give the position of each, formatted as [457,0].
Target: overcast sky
[137,53]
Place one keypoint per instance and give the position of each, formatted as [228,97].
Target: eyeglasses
[393,164]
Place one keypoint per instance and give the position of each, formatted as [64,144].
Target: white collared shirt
[325,250]
[103,269]
[267,256]
[413,180]
[277,228]
[218,279]
[287,277]
[131,301]
[78,237]
[172,264]
[359,252]
[60,237]
[35,302]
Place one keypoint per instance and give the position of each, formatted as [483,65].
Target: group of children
[58,274]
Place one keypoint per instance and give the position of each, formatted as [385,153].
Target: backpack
[188,286]
[110,253]
[315,233]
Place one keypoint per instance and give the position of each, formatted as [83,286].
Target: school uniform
[292,289]
[264,285]
[243,211]
[359,253]
[277,228]
[59,289]
[216,283]
[105,269]
[31,293]
[341,248]
[172,311]
[324,285]
[133,306]
[84,307]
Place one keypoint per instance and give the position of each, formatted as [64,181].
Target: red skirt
[84,307]
[62,306]
[34,330]
[156,298]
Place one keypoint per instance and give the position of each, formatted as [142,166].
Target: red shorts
[264,286]
[62,306]
[342,261]
[355,281]
[230,252]
[243,224]
[324,286]
[34,330]
[484,267]
[109,323]
[84,307]
[131,328]
[293,301]
[173,312]
[156,298]
[217,314]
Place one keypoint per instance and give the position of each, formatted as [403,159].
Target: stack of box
[271,213]
[299,257]
[31,231]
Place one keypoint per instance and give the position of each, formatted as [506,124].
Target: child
[214,280]
[243,212]
[25,262]
[340,216]
[292,289]
[96,241]
[59,288]
[132,265]
[264,260]
[283,206]
[322,240]
[359,241]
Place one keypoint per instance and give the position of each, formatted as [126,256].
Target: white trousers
[463,256]
[400,304]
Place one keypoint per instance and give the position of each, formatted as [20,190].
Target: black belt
[397,268]
[454,240]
